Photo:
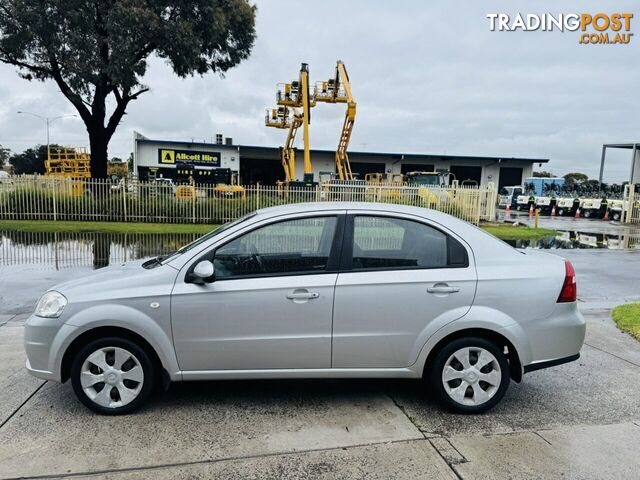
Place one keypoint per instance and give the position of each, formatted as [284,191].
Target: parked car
[334,290]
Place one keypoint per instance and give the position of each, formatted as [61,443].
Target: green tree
[30,161]
[575,178]
[5,153]
[542,174]
[96,50]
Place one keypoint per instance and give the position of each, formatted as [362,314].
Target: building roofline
[394,155]
[622,145]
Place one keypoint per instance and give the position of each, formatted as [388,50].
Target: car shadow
[294,391]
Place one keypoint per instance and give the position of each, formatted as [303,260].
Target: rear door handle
[302,295]
[443,289]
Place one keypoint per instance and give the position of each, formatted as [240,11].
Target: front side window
[395,243]
[289,247]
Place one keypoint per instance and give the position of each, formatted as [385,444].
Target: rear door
[398,274]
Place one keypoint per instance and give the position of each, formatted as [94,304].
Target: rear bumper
[532,367]
[555,338]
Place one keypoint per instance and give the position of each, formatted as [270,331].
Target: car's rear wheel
[470,375]
[112,376]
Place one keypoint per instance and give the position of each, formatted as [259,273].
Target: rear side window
[395,243]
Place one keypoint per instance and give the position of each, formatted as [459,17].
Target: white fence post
[193,207]
[55,206]
[124,200]
[258,196]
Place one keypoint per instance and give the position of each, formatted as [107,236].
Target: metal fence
[54,198]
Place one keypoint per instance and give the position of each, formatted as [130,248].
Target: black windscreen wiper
[154,262]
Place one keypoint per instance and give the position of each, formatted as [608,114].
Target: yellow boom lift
[286,118]
[69,162]
[293,112]
[338,90]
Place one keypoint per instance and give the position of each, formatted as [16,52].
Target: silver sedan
[325,290]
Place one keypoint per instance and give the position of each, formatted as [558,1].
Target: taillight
[569,292]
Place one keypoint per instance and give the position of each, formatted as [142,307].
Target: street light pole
[48,121]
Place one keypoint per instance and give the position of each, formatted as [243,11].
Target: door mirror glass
[202,272]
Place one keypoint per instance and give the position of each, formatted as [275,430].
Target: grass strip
[504,232]
[627,317]
[101,227]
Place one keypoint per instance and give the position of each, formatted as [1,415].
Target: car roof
[370,206]
[486,248]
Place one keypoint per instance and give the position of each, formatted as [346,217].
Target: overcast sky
[429,77]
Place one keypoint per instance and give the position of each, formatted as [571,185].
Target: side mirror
[202,273]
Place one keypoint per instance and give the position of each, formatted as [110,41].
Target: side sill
[550,363]
[300,373]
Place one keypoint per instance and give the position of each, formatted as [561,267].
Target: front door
[270,304]
[401,275]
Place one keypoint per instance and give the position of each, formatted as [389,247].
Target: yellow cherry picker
[338,90]
[294,111]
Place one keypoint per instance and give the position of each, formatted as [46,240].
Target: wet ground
[577,232]
[579,420]
[28,258]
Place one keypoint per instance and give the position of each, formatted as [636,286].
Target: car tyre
[470,375]
[112,376]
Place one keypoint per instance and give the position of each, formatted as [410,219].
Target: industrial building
[178,160]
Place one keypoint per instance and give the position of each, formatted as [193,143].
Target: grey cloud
[428,77]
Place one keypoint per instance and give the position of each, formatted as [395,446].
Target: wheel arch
[487,334]
[107,331]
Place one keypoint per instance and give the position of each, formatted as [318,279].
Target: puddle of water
[59,251]
[573,240]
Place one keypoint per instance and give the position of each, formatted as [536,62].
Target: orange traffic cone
[553,211]
[578,212]
[606,215]
[507,211]
[531,210]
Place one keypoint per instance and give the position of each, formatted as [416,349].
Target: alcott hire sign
[193,157]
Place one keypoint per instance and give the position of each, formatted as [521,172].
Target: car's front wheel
[470,375]
[112,376]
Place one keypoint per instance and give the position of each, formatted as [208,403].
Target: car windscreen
[207,237]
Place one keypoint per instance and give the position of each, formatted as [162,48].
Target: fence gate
[631,203]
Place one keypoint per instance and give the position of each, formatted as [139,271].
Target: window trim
[346,259]
[333,261]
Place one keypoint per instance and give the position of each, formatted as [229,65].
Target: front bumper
[44,344]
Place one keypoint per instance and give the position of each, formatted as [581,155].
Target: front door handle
[302,295]
[443,289]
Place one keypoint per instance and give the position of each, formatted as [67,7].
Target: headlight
[51,305]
